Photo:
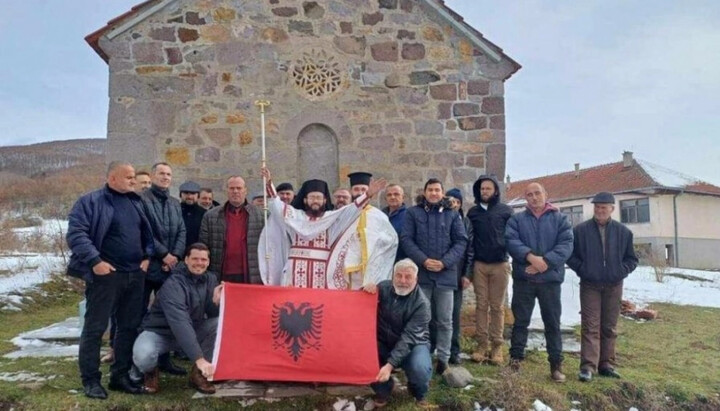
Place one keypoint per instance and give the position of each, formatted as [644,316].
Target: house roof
[615,178]
[93,39]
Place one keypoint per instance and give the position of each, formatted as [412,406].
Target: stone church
[404,89]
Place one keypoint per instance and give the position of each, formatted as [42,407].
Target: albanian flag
[296,334]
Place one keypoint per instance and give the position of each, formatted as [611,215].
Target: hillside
[48,177]
[40,159]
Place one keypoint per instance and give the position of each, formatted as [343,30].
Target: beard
[402,291]
[314,212]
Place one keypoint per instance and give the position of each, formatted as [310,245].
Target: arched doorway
[318,154]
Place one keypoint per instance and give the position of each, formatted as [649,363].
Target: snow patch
[667,177]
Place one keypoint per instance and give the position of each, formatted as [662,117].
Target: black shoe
[137,378]
[585,375]
[441,367]
[123,384]
[180,355]
[609,372]
[455,359]
[95,390]
[166,365]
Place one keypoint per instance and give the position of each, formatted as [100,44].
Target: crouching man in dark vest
[183,317]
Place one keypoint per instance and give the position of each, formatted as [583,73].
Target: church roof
[147,8]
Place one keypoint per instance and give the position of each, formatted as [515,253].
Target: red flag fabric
[296,334]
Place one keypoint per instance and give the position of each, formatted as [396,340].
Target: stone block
[177,156]
[346,27]
[415,159]
[151,87]
[495,159]
[234,53]
[493,105]
[388,4]
[386,51]
[209,85]
[398,128]
[207,155]
[367,129]
[451,125]
[313,10]
[434,144]
[209,119]
[497,122]
[220,136]
[215,33]
[497,88]
[472,123]
[413,51]
[285,11]
[418,78]
[143,117]
[245,138]
[274,35]
[148,70]
[193,18]
[428,128]
[200,54]
[444,111]
[483,136]
[475,161]
[351,44]
[174,56]
[194,139]
[224,15]
[446,92]
[297,26]
[140,147]
[236,118]
[449,159]
[467,147]
[465,175]
[478,87]
[465,109]
[233,91]
[163,34]
[406,5]
[432,34]
[371,19]
[405,35]
[393,80]
[148,53]
[457,377]
[376,144]
[188,35]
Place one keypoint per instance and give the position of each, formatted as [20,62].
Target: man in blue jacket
[540,240]
[603,255]
[111,239]
[395,210]
[434,238]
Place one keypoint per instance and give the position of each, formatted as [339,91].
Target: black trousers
[523,304]
[122,291]
[150,287]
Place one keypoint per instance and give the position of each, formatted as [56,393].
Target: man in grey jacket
[184,316]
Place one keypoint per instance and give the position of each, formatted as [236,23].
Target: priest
[301,238]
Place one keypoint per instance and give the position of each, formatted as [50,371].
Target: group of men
[128,245]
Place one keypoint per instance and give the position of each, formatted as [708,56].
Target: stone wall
[404,95]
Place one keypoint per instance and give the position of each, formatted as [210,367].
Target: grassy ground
[670,363]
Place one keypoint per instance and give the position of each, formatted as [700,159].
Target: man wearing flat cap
[192,213]
[603,255]
[371,242]
[285,192]
[303,236]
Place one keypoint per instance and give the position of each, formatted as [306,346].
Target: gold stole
[363,250]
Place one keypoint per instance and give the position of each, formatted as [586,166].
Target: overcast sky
[599,77]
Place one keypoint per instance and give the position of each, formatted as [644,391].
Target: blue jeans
[418,370]
[149,345]
[523,304]
[441,304]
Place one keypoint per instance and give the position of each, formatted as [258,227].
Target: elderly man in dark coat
[603,255]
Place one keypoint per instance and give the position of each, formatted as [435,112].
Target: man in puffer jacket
[434,238]
[603,255]
[540,240]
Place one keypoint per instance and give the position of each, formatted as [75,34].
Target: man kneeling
[403,334]
[183,316]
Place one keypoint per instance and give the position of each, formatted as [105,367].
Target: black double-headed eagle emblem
[296,329]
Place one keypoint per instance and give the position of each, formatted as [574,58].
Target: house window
[574,214]
[635,211]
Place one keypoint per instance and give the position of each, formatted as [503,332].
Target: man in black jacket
[603,255]
[191,211]
[165,215]
[184,316]
[490,271]
[403,334]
